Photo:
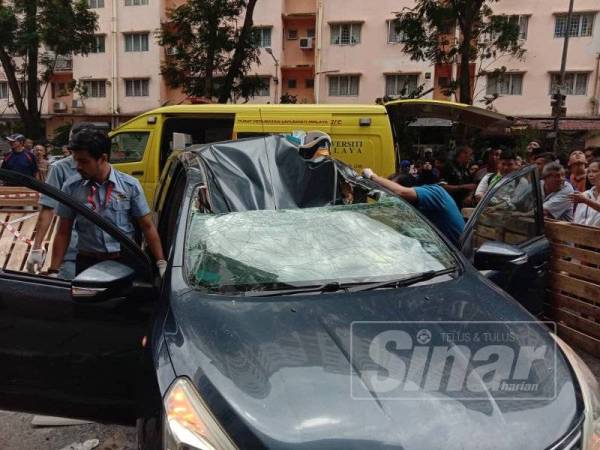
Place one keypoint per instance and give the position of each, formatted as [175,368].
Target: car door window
[129,147]
[509,213]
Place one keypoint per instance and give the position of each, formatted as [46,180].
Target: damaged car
[303,307]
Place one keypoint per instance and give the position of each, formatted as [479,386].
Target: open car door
[68,348]
[505,238]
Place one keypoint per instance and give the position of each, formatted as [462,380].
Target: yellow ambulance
[363,135]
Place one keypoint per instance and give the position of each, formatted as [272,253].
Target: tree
[27,28]
[428,34]
[208,55]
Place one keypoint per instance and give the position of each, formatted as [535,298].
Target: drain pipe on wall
[114,66]
[319,36]
[596,98]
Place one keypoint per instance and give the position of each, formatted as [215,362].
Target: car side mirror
[102,281]
[499,256]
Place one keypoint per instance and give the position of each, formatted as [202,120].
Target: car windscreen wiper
[352,287]
[328,287]
[424,276]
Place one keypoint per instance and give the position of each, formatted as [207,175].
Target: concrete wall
[543,56]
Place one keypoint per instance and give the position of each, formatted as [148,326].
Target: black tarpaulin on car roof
[265,173]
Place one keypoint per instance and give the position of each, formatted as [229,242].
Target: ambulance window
[128,147]
[179,133]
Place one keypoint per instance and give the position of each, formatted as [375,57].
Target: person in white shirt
[507,164]
[587,203]
[556,192]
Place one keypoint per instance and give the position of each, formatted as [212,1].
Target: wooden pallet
[14,250]
[573,299]
[13,198]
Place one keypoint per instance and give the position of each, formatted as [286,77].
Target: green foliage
[428,35]
[62,27]
[202,36]
[287,98]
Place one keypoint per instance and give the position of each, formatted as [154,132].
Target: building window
[394,36]
[292,35]
[3,89]
[310,33]
[99,44]
[581,25]
[292,84]
[309,83]
[135,2]
[137,88]
[343,86]
[345,33]
[264,89]
[400,85]
[136,42]
[575,83]
[505,84]
[95,88]
[263,36]
[523,22]
[95,4]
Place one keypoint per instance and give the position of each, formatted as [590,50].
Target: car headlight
[188,423]
[590,393]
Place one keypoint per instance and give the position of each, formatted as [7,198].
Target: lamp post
[269,50]
[558,96]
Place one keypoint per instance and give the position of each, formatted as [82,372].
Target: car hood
[283,372]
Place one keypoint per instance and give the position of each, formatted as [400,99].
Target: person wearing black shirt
[457,179]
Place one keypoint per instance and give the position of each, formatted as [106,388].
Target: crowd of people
[29,158]
[570,188]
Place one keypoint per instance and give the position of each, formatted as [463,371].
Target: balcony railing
[63,63]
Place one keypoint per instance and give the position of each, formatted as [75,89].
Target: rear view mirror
[102,281]
[499,256]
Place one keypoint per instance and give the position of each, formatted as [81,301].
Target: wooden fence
[573,298]
[18,218]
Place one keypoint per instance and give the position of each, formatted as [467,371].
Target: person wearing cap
[19,159]
[317,144]
[58,174]
[114,195]
[578,174]
[432,200]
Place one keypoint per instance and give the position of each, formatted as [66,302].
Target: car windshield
[270,249]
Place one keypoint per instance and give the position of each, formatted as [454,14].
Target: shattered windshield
[269,249]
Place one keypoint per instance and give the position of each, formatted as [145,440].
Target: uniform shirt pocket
[121,212]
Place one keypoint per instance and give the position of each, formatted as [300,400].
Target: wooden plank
[585,256]
[7,239]
[591,274]
[20,251]
[579,288]
[488,233]
[578,339]
[561,301]
[50,239]
[581,324]
[576,234]
[515,238]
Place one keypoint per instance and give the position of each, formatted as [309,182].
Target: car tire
[149,433]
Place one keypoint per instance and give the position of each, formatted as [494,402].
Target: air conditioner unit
[60,107]
[306,43]
[78,103]
[172,51]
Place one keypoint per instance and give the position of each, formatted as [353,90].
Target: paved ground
[16,432]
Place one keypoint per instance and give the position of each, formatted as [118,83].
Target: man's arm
[579,197]
[408,194]
[152,238]
[62,239]
[43,223]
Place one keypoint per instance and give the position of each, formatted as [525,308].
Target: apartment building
[330,51]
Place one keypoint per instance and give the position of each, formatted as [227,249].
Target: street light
[269,50]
